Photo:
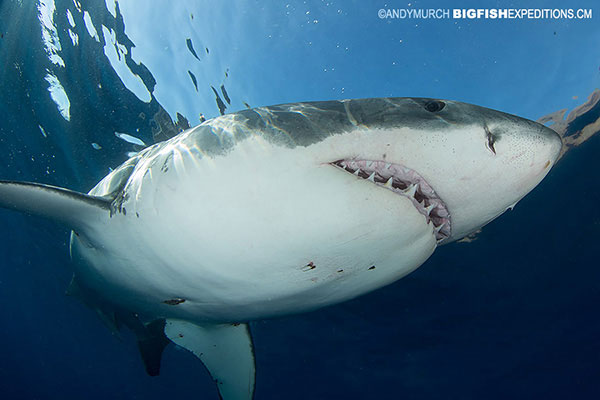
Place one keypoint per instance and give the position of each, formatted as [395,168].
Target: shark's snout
[553,143]
[530,148]
[518,154]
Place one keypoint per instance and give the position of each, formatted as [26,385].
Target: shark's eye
[434,105]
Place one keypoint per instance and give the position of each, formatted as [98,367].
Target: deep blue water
[510,315]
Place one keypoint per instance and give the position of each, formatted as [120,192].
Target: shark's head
[461,165]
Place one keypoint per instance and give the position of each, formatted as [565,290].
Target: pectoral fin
[65,206]
[225,349]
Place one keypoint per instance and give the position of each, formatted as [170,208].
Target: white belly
[238,240]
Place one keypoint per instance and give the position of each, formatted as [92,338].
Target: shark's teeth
[411,190]
[407,182]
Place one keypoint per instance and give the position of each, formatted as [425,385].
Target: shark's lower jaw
[405,182]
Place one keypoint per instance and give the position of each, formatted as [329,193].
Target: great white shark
[280,210]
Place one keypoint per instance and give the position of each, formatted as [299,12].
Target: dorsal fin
[71,208]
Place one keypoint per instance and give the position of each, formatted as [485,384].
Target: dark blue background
[511,315]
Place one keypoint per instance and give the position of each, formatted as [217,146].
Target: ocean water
[512,314]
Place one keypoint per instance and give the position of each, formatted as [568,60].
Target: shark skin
[281,210]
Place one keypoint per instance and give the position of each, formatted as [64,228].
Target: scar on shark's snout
[174,302]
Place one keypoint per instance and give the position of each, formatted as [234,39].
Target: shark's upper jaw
[405,182]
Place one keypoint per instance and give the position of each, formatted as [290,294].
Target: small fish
[220,103]
[190,47]
[194,80]
[130,139]
[132,154]
[225,94]
[43,131]
[96,146]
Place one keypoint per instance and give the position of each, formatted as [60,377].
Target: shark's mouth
[405,182]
